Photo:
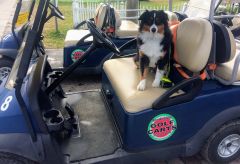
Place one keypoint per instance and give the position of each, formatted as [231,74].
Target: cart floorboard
[97,133]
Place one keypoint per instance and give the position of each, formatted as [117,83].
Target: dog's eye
[158,22]
[150,21]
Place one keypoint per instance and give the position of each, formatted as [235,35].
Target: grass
[55,39]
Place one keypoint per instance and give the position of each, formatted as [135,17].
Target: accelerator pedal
[72,123]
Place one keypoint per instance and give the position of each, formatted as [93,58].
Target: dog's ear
[163,15]
[143,15]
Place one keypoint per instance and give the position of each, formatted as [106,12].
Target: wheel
[5,67]
[8,158]
[224,145]
[101,38]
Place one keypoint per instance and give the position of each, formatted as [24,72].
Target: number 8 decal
[6,103]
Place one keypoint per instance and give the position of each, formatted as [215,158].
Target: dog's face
[153,21]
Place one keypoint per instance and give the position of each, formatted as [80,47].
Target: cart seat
[225,55]
[127,29]
[236,23]
[124,78]
[73,36]
[194,39]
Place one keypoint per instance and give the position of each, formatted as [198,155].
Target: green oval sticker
[77,54]
[162,127]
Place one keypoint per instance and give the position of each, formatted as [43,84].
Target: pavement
[7,8]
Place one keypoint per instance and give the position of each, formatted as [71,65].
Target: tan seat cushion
[194,42]
[124,77]
[73,36]
[100,13]
[127,29]
[236,23]
[224,70]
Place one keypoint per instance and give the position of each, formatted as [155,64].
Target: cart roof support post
[170,5]
[132,4]
[212,9]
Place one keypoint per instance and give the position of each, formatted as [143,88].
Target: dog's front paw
[156,83]
[142,85]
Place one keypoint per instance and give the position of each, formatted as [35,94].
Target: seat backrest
[101,15]
[172,18]
[225,43]
[194,42]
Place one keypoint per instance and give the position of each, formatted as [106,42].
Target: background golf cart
[83,11]
[10,43]
[228,14]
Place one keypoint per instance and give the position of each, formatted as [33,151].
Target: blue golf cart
[40,123]
[10,43]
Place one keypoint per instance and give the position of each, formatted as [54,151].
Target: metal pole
[132,4]
[56,21]
[170,5]
[212,10]
[238,8]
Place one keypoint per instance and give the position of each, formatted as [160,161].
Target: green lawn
[55,39]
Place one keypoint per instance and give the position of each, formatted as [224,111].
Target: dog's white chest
[151,47]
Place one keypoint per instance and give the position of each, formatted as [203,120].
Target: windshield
[23,12]
[13,75]
[21,64]
[199,8]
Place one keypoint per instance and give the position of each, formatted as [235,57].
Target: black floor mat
[97,132]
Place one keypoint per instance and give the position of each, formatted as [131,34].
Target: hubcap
[4,72]
[229,146]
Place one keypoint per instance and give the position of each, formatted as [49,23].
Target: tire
[8,158]
[224,145]
[5,67]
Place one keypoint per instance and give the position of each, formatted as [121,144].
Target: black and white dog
[154,43]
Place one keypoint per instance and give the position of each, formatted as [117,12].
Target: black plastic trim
[82,23]
[167,100]
[123,47]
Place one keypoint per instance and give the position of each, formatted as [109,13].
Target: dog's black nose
[153,30]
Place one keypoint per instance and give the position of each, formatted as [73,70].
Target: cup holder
[51,114]
[53,119]
[56,120]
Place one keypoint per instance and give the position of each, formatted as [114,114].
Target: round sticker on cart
[162,127]
[77,54]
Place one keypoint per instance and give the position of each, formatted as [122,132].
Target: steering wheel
[101,38]
[55,11]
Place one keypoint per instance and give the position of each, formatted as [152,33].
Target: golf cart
[40,123]
[228,14]
[10,43]
[122,31]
